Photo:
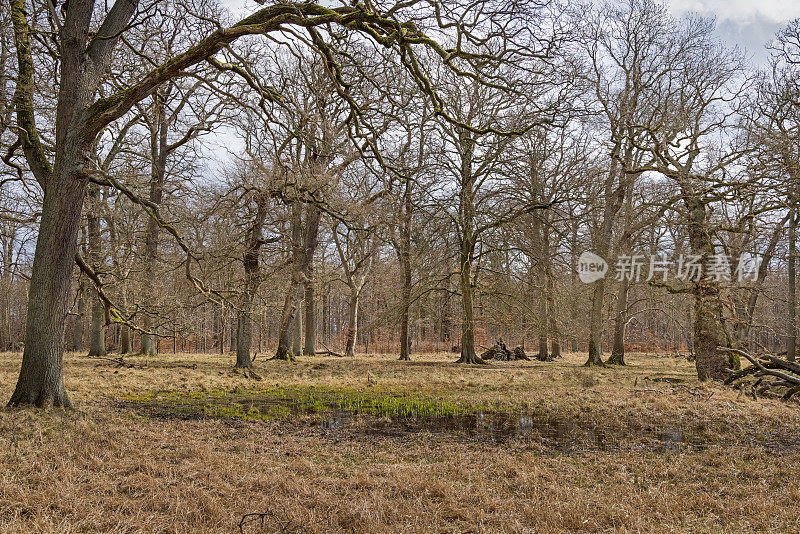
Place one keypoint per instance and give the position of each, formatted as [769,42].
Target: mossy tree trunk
[709,330]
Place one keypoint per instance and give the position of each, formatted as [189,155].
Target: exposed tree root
[247,372]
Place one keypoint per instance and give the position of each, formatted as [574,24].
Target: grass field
[675,456]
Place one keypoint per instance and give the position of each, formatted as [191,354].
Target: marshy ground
[180,443]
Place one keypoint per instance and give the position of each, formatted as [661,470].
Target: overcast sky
[747,23]
[750,24]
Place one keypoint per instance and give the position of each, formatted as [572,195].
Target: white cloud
[740,10]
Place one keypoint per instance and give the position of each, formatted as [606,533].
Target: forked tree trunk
[616,186]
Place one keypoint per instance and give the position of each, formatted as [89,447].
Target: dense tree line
[378,177]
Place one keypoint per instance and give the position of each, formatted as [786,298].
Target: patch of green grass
[282,402]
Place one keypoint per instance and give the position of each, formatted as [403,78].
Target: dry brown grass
[100,469]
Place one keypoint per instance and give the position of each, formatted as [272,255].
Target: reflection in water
[399,416]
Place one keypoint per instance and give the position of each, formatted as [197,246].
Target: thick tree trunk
[468,238]
[468,354]
[403,249]
[620,320]
[405,304]
[244,333]
[540,272]
[251,262]
[41,382]
[148,340]
[710,362]
[405,308]
[709,332]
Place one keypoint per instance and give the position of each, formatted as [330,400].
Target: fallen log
[328,353]
[772,373]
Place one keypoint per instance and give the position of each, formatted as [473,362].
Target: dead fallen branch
[270,520]
[774,375]
[328,353]
[117,362]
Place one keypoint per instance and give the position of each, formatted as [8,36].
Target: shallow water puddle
[358,412]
